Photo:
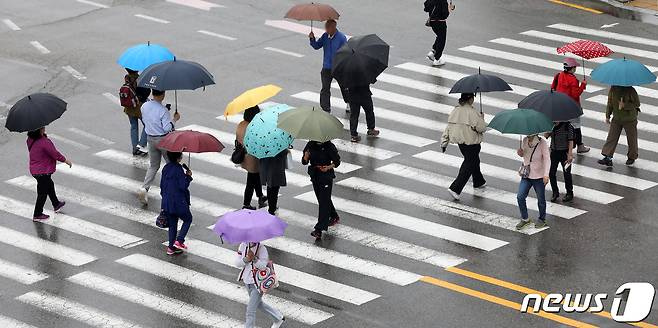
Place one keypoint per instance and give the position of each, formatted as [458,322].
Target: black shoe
[630,162]
[555,198]
[568,197]
[317,234]
[355,139]
[334,221]
[140,153]
[248,207]
[605,161]
[262,202]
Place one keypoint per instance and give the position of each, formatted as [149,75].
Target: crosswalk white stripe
[640,163]
[198,4]
[7,322]
[221,288]
[20,273]
[217,35]
[91,136]
[286,275]
[284,52]
[37,45]
[95,4]
[44,247]
[435,204]
[154,301]
[645,108]
[228,139]
[410,223]
[75,144]
[11,24]
[513,176]
[488,192]
[379,242]
[605,34]
[392,135]
[344,261]
[153,19]
[74,310]
[73,224]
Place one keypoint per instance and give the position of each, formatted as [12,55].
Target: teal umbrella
[263,138]
[311,123]
[521,121]
[623,72]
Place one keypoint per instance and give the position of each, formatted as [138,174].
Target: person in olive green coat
[623,107]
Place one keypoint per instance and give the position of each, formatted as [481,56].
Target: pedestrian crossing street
[398,222]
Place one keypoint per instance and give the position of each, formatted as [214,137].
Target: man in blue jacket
[330,41]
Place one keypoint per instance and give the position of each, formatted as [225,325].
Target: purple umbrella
[249,226]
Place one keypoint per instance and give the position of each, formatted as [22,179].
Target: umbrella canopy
[249,226]
[585,49]
[623,72]
[360,61]
[556,105]
[175,75]
[480,83]
[310,123]
[34,111]
[251,98]
[190,142]
[263,138]
[521,121]
[312,12]
[141,56]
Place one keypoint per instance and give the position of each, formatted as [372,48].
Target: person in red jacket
[567,83]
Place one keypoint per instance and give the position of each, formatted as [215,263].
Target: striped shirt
[562,134]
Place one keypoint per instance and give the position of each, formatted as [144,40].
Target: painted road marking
[74,310]
[7,322]
[20,273]
[11,25]
[375,241]
[153,19]
[604,34]
[68,141]
[74,72]
[285,52]
[287,275]
[91,136]
[37,45]
[155,301]
[513,176]
[488,192]
[572,5]
[392,135]
[217,35]
[44,247]
[198,4]
[294,27]
[99,5]
[111,97]
[436,204]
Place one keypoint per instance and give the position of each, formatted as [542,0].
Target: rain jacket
[465,126]
[250,163]
[330,46]
[437,10]
[174,188]
[631,101]
[259,262]
[568,84]
[43,156]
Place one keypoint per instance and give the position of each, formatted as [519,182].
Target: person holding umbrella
[534,174]
[330,42]
[131,102]
[567,83]
[174,188]
[323,158]
[272,171]
[562,144]
[624,107]
[250,163]
[361,97]
[466,127]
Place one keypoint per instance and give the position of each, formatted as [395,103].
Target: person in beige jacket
[250,164]
[465,129]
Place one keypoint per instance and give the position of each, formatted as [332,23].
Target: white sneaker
[143,149]
[439,62]
[142,195]
[454,195]
[430,55]
[279,323]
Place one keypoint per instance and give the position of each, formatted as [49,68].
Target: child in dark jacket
[174,188]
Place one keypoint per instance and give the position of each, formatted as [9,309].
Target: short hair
[34,134]
[332,21]
[158,93]
[250,113]
[174,156]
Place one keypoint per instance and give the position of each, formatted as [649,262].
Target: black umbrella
[479,83]
[34,111]
[360,61]
[556,105]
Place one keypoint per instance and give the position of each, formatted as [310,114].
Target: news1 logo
[638,297]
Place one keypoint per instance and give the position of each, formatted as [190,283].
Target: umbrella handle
[176,101]
[584,78]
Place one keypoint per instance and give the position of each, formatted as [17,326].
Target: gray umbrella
[34,111]
[556,105]
[479,83]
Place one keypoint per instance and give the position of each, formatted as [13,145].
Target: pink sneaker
[59,207]
[41,217]
[180,245]
[174,251]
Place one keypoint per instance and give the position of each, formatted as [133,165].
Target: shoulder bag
[239,152]
[524,170]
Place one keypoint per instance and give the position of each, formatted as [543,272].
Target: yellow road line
[503,302]
[526,290]
[573,5]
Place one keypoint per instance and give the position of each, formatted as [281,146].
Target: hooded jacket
[465,126]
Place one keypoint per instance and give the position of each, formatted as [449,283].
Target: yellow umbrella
[251,98]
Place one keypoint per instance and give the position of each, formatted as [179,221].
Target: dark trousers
[253,184]
[470,167]
[325,92]
[355,110]
[272,198]
[559,157]
[326,210]
[174,234]
[578,136]
[441,31]
[45,189]
[613,138]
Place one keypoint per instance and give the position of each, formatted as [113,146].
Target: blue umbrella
[623,72]
[263,138]
[141,56]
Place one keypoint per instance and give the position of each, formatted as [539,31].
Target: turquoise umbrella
[263,138]
[623,72]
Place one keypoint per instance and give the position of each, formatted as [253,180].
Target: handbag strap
[533,151]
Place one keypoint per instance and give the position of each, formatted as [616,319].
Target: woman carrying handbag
[534,174]
[248,162]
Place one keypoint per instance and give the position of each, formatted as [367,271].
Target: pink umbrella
[585,49]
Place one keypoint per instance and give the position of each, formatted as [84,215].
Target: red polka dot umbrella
[586,49]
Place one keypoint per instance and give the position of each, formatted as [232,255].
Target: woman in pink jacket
[536,158]
[43,160]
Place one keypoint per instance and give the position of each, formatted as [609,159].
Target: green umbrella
[521,121]
[310,123]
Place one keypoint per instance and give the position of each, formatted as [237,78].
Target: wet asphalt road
[610,240]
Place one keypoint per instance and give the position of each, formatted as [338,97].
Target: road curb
[617,9]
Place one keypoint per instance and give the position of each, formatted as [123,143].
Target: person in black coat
[438,12]
[174,188]
[273,176]
[361,96]
[322,158]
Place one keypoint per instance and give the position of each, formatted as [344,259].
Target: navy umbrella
[360,61]
[479,83]
[556,105]
[34,111]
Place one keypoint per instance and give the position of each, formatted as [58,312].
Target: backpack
[127,96]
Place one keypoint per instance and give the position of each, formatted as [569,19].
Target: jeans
[470,167]
[253,184]
[441,31]
[560,157]
[256,302]
[45,189]
[613,138]
[135,137]
[174,234]
[524,189]
[355,109]
[155,157]
[322,187]
[325,92]
[272,198]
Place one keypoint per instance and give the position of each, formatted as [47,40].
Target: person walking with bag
[438,12]
[273,176]
[566,82]
[322,158]
[252,257]
[330,42]
[132,108]
[174,188]
[534,174]
[562,144]
[43,162]
[466,127]
[250,163]
[623,107]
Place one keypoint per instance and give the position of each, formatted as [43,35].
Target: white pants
[256,302]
